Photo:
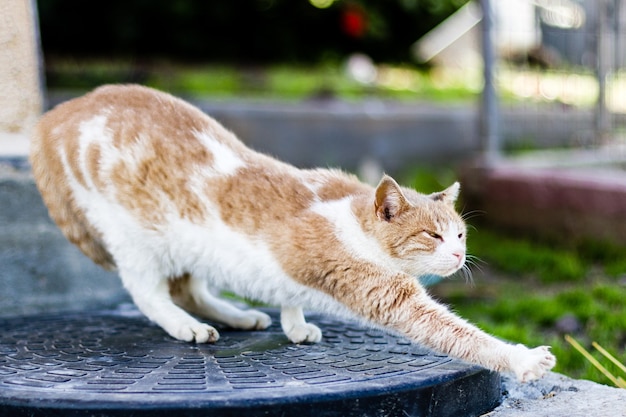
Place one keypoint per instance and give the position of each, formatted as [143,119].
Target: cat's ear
[390,201]
[449,195]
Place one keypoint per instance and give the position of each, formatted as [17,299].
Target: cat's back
[124,143]
[126,113]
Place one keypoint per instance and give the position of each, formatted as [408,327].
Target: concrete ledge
[556,395]
[583,202]
[13,145]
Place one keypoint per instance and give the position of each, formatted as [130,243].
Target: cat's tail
[53,185]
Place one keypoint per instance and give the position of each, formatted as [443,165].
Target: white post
[21,97]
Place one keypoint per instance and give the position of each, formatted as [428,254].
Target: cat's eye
[460,236]
[434,235]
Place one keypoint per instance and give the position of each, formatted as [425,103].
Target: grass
[280,82]
[574,87]
[550,264]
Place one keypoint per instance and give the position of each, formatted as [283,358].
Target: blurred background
[558,63]
[524,101]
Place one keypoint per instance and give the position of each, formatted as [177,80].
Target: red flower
[354,21]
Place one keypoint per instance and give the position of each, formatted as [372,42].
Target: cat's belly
[230,260]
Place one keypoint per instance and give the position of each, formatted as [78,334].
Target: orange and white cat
[148,184]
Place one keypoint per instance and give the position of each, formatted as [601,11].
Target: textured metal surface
[113,362]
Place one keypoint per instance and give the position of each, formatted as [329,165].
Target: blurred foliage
[427,179]
[276,81]
[238,31]
[517,255]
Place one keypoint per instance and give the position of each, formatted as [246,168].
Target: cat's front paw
[531,364]
[304,333]
[197,332]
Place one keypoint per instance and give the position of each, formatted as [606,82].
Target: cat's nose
[459,256]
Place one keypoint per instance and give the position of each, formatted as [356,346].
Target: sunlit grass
[280,82]
[518,256]
[573,87]
[576,87]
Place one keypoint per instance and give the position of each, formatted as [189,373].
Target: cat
[148,184]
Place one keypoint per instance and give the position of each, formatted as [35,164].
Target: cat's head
[423,234]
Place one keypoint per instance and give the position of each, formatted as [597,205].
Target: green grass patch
[280,82]
[428,179]
[516,255]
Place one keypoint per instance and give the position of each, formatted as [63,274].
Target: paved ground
[559,396]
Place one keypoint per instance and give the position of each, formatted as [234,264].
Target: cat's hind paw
[304,333]
[197,332]
[533,364]
[253,320]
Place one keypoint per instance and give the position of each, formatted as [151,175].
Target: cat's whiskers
[471,214]
[466,269]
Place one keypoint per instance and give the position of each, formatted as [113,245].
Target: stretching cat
[148,184]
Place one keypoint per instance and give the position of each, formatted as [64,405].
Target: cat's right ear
[389,202]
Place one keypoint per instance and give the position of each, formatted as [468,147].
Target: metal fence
[558,59]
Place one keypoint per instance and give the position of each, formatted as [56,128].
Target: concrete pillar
[21,96]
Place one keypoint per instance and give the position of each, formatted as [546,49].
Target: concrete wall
[20,86]
[344,135]
[40,270]
[398,136]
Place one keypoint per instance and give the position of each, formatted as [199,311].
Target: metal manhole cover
[116,363]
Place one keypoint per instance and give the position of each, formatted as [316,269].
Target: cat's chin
[449,272]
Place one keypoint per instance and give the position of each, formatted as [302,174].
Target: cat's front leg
[296,328]
[400,303]
[435,326]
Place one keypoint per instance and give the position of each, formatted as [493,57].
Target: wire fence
[558,59]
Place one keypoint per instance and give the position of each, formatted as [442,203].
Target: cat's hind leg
[296,328]
[193,295]
[151,295]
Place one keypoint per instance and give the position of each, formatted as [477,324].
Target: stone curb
[556,395]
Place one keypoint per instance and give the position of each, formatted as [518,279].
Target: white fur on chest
[349,232]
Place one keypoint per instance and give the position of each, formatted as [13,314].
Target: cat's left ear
[449,195]
[390,201]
